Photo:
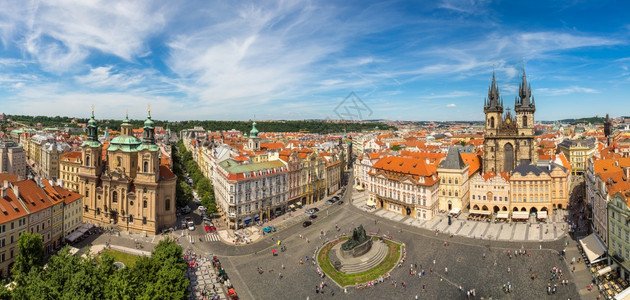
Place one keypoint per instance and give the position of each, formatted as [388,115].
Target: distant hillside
[592,120]
[244,126]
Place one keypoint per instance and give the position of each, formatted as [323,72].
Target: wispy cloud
[451,105]
[564,91]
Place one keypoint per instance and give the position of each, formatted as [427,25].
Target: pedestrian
[446,270]
[282,266]
[280,275]
[434,261]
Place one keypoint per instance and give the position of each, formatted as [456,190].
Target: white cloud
[565,91]
[106,77]
[60,34]
[451,105]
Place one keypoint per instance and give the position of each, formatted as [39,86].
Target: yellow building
[454,175]
[539,188]
[578,152]
[134,193]
[69,170]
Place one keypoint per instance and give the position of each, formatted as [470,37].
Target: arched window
[87,208]
[87,160]
[524,121]
[168,204]
[115,197]
[456,181]
[144,203]
[145,167]
[130,218]
[98,211]
[491,122]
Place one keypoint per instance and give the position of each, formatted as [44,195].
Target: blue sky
[236,60]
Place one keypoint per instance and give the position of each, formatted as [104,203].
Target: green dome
[126,140]
[254,132]
[92,122]
[148,123]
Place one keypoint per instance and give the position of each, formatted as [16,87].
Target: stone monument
[358,245]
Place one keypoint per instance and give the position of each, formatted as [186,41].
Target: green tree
[395,148]
[30,255]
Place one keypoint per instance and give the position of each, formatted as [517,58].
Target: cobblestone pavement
[463,258]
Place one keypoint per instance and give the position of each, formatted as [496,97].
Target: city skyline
[297,60]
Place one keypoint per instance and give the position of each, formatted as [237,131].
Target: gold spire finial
[149,109]
[92,110]
[127,113]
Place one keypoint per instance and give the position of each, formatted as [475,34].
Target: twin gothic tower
[509,139]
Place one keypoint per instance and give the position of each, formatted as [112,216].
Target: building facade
[578,152]
[13,222]
[248,193]
[69,165]
[508,139]
[130,190]
[490,192]
[454,187]
[404,185]
[619,233]
[12,159]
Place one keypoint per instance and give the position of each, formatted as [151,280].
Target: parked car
[315,209]
[309,211]
[313,217]
[202,208]
[331,201]
[191,226]
[307,223]
[269,229]
[340,202]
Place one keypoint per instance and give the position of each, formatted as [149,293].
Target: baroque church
[509,138]
[125,186]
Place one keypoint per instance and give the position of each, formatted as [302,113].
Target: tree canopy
[66,276]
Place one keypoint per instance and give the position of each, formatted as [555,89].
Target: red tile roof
[33,197]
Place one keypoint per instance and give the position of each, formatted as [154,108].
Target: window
[168,204]
[115,197]
[144,220]
[87,208]
[144,203]
[98,211]
[130,218]
[145,167]
[87,160]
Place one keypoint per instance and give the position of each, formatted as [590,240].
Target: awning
[503,215]
[247,220]
[607,269]
[370,202]
[541,215]
[479,212]
[299,203]
[593,247]
[520,215]
[455,211]
[291,206]
[624,295]
[359,188]
[257,218]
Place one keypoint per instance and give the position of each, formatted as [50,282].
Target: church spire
[494,102]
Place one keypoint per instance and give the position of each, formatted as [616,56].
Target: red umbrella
[273,251]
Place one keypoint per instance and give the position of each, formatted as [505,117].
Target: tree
[395,148]
[30,255]
[463,143]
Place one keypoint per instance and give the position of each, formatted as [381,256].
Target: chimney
[16,191]
[4,192]
[5,184]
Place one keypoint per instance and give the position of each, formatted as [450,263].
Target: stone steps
[379,252]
